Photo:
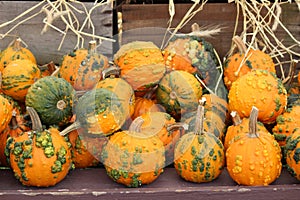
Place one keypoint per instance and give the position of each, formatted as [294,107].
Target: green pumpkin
[100,112]
[179,92]
[52,98]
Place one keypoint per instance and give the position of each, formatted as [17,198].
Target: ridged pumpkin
[259,88]
[199,155]
[166,128]
[287,123]
[142,65]
[52,98]
[86,151]
[17,77]
[121,88]
[244,61]
[40,157]
[100,112]
[195,55]
[292,154]
[178,92]
[255,159]
[239,128]
[133,158]
[83,67]
[6,110]
[14,52]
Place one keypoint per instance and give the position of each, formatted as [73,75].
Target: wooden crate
[93,183]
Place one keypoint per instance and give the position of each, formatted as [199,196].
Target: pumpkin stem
[149,94]
[240,44]
[17,44]
[70,128]
[195,27]
[199,128]
[136,125]
[235,118]
[176,126]
[36,122]
[253,123]
[173,95]
[112,71]
[92,47]
[61,104]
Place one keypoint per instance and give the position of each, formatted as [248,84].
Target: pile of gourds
[145,110]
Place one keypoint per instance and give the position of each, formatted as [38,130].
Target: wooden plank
[45,46]
[93,183]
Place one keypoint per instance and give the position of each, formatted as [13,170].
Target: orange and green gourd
[244,61]
[6,110]
[255,158]
[120,87]
[199,155]
[39,157]
[287,123]
[99,112]
[52,98]
[15,52]
[292,154]
[239,128]
[83,67]
[141,64]
[17,77]
[259,88]
[178,92]
[133,158]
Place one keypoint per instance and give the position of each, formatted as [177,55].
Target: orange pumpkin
[39,157]
[244,61]
[6,110]
[142,65]
[255,158]
[133,158]
[83,67]
[259,88]
[292,154]
[15,52]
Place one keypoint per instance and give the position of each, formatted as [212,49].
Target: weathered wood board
[45,47]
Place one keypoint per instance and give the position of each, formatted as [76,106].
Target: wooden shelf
[93,183]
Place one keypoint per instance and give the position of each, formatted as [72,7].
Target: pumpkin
[239,128]
[17,77]
[14,52]
[52,98]
[287,123]
[259,88]
[292,154]
[133,158]
[99,112]
[86,151]
[194,54]
[6,110]
[120,87]
[244,61]
[178,92]
[199,155]
[141,64]
[83,67]
[255,158]
[166,128]
[39,157]
[215,116]
[17,125]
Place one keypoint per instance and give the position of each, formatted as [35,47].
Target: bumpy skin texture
[40,158]
[133,159]
[286,124]
[14,52]
[141,64]
[179,92]
[292,154]
[52,98]
[253,160]
[261,89]
[17,77]
[199,158]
